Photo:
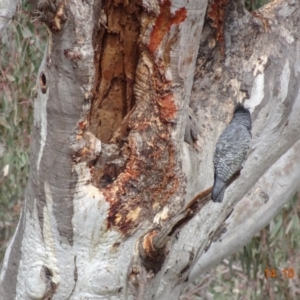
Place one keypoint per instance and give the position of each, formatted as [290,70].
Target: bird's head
[242,116]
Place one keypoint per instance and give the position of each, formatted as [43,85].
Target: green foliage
[266,268]
[268,257]
[21,48]
[255,4]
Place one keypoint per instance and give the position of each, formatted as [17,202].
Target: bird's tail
[218,190]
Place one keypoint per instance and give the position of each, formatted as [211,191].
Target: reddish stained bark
[216,14]
[168,108]
[116,57]
[147,243]
[119,210]
[151,256]
[82,125]
[164,22]
[144,199]
[147,179]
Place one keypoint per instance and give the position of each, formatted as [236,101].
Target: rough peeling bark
[140,120]
[131,98]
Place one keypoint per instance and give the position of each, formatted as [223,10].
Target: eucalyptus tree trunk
[131,98]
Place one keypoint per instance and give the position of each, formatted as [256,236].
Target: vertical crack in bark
[116,60]
[75,276]
[216,13]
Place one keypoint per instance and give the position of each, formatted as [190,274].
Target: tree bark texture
[7,11]
[132,96]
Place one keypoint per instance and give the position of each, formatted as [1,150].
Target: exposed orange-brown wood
[116,58]
[216,13]
[167,106]
[164,22]
[134,108]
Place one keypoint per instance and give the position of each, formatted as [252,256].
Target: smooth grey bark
[7,11]
[115,160]
[265,69]
[264,201]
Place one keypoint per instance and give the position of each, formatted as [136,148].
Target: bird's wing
[231,150]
